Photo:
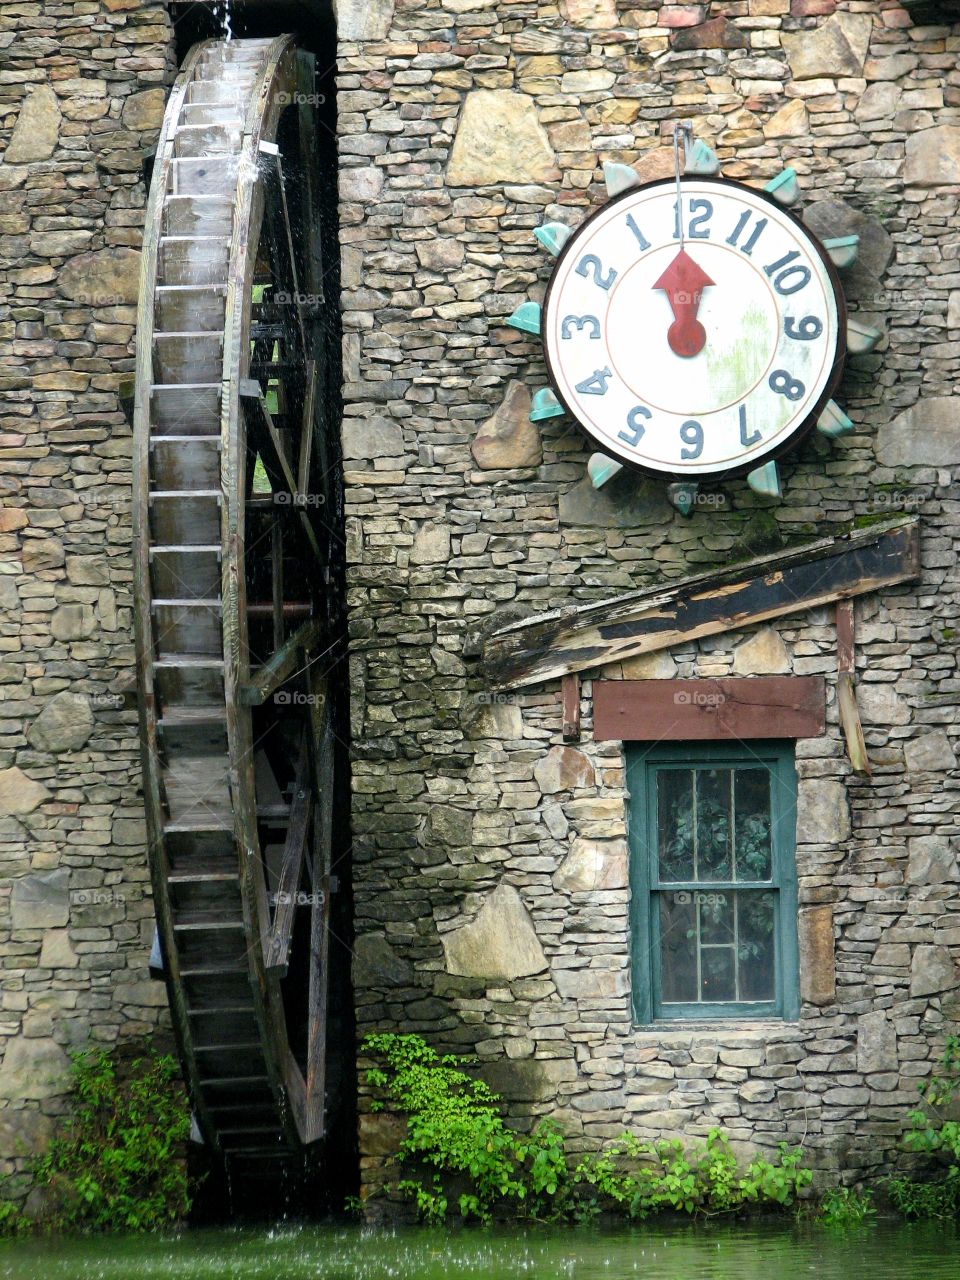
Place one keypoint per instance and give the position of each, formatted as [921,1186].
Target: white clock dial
[695,359]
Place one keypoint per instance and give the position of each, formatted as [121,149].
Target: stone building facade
[491,853]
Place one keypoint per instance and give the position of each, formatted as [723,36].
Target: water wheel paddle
[235,534]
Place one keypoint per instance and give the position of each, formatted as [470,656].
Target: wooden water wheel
[236,513]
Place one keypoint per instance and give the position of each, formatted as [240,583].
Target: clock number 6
[635,426]
[784,385]
[691,433]
[805,330]
[590,264]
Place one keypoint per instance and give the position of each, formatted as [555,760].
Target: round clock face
[693,359]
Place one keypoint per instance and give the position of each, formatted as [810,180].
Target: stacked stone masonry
[490,857]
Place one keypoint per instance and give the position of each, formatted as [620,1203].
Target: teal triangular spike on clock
[619,177]
[700,159]
[683,495]
[842,250]
[784,188]
[545,405]
[526,317]
[601,468]
[833,421]
[552,236]
[765,480]
[861,337]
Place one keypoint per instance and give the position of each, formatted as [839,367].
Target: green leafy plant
[933,1135]
[845,1207]
[118,1162]
[457,1137]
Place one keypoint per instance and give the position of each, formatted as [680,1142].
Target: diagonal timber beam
[581,637]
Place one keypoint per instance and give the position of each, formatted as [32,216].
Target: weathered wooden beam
[709,710]
[322,734]
[280,665]
[277,955]
[273,455]
[592,635]
[847,692]
[570,692]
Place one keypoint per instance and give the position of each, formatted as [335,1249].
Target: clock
[694,328]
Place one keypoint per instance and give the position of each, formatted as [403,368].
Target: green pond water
[703,1252]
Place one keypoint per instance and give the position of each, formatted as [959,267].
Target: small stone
[500,139]
[145,994]
[72,622]
[932,970]
[363,19]
[563,769]
[362,185]
[56,950]
[104,278]
[933,157]
[501,943]
[592,865]
[925,435]
[589,15]
[37,130]
[377,964]
[817,963]
[791,121]
[431,545]
[717,33]
[509,439]
[529,1079]
[822,813]
[953,310]
[12,519]
[656,163]
[879,704]
[932,860]
[875,250]
[41,553]
[41,901]
[879,101]
[33,1067]
[443,254]
[19,795]
[450,825]
[371,438]
[381,1134]
[649,666]
[838,47]
[626,501]
[144,110]
[876,1043]
[65,724]
[763,654]
[929,753]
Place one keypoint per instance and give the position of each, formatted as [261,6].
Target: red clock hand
[683,282]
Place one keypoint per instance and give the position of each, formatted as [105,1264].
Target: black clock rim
[799,433]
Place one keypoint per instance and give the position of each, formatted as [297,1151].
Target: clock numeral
[804,330]
[782,272]
[579,322]
[691,433]
[590,264]
[635,428]
[642,240]
[781,382]
[705,213]
[596,384]
[747,438]
[749,244]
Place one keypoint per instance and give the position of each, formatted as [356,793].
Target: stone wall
[82,89]
[490,857]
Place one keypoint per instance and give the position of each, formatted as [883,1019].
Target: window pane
[718,973]
[753,850]
[675,823]
[717,918]
[678,947]
[713,825]
[756,950]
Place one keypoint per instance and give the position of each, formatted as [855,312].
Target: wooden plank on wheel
[280,666]
[277,955]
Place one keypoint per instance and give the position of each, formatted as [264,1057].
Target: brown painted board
[709,710]
[581,637]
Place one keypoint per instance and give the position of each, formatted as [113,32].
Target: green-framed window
[714,880]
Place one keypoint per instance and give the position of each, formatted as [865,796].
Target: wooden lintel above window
[587,636]
[709,710]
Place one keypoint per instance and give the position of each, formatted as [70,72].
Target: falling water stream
[879,1251]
